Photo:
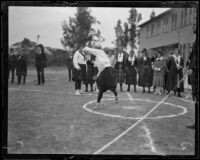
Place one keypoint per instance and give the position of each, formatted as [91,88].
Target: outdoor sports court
[50,119]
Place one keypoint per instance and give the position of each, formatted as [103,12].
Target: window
[172,24]
[194,15]
[152,29]
[190,16]
[175,20]
[148,31]
[158,27]
[185,17]
[182,13]
[167,24]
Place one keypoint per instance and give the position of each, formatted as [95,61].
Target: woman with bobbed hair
[40,63]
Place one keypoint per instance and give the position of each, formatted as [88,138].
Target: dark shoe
[174,93]
[191,126]
[179,95]
[128,90]
[116,99]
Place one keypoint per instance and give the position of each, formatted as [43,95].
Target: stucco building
[169,30]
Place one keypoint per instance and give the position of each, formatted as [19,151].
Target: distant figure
[40,63]
[12,60]
[21,67]
[131,71]
[70,66]
[175,65]
[145,71]
[79,71]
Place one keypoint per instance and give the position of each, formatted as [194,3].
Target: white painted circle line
[134,118]
[131,127]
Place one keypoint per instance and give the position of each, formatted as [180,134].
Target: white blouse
[102,61]
[131,59]
[120,57]
[177,60]
[78,59]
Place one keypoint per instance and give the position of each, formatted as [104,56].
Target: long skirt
[120,74]
[158,79]
[131,76]
[79,75]
[89,75]
[106,79]
[180,85]
[145,77]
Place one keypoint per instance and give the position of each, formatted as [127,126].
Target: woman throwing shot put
[104,77]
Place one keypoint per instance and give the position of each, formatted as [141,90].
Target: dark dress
[69,67]
[145,72]
[21,67]
[174,76]
[106,80]
[131,73]
[89,73]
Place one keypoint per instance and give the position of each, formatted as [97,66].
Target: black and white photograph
[101,80]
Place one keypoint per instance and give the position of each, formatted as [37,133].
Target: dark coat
[131,73]
[174,75]
[21,67]
[41,60]
[69,62]
[145,72]
[89,73]
[12,62]
[194,65]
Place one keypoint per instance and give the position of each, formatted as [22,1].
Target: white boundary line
[134,118]
[34,90]
[151,141]
[183,99]
[131,127]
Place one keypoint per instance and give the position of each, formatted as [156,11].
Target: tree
[127,35]
[153,14]
[79,31]
[133,20]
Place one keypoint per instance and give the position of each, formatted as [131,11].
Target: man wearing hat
[12,59]
[145,71]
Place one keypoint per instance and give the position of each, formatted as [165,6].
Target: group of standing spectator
[161,73]
[17,62]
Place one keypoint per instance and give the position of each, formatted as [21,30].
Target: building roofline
[158,16]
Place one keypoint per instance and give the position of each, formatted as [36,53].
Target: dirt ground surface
[50,119]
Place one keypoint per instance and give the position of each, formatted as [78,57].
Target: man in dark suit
[70,66]
[12,60]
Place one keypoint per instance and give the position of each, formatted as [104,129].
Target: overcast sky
[46,21]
